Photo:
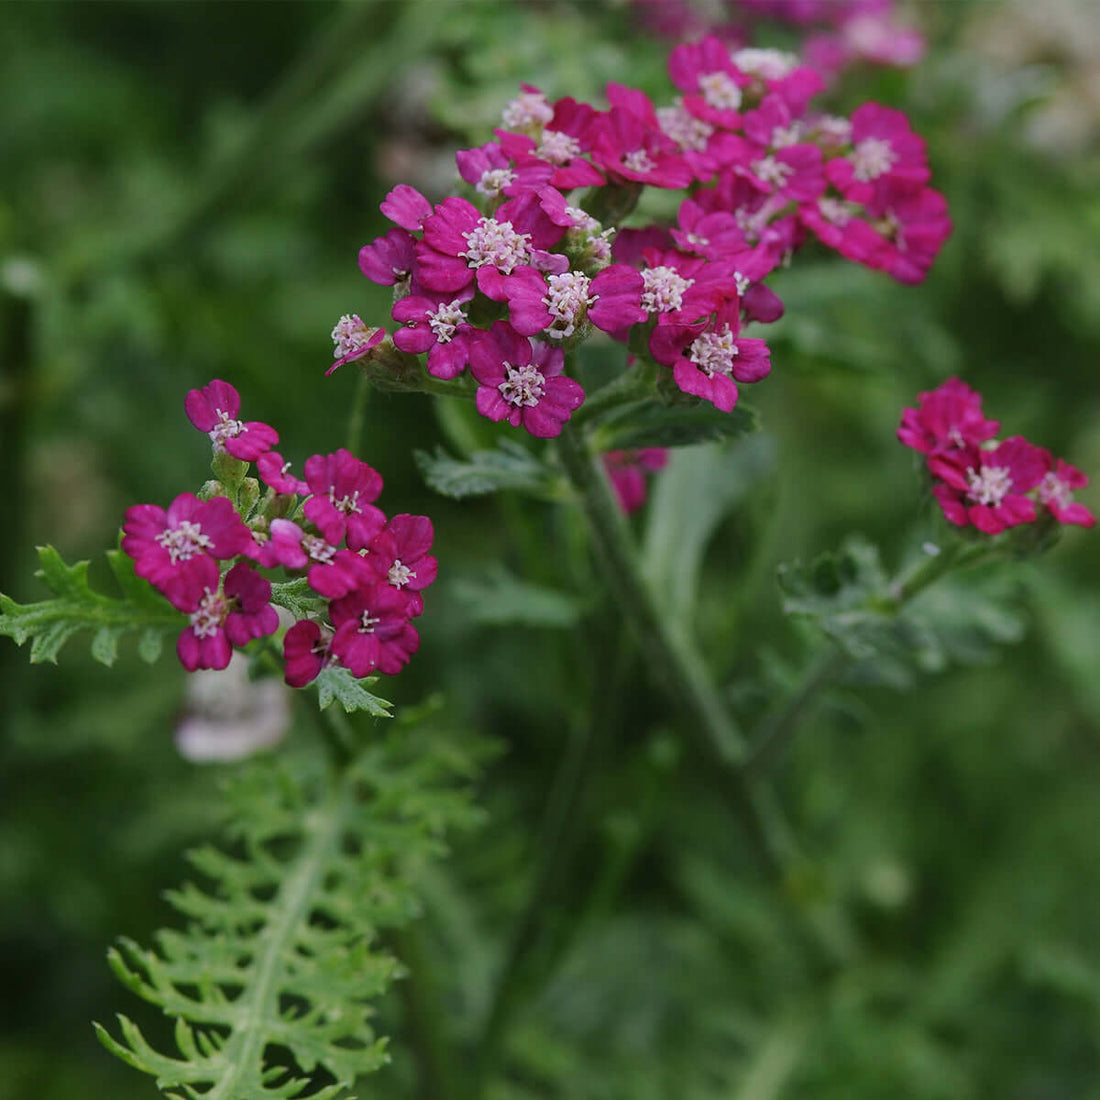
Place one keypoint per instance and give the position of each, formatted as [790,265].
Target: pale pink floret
[523,384]
[213,410]
[352,339]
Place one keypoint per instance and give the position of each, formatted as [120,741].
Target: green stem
[669,652]
[632,385]
[358,413]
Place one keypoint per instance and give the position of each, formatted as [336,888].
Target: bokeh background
[183,193]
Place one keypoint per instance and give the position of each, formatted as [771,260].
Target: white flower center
[567,299]
[493,181]
[445,320]
[400,574]
[989,485]
[346,504]
[742,282]
[523,385]
[184,541]
[719,91]
[783,136]
[683,127]
[835,129]
[350,334]
[558,148]
[1052,489]
[318,549]
[871,158]
[835,211]
[772,171]
[582,219]
[664,289]
[211,613]
[770,64]
[225,428]
[638,160]
[713,352]
[495,243]
[528,110]
[367,622]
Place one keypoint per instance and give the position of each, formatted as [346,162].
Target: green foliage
[652,423]
[281,951]
[336,682]
[509,466]
[502,599]
[49,624]
[849,597]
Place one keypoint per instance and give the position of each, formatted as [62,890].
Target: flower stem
[668,651]
[358,413]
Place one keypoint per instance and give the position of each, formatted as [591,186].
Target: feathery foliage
[270,983]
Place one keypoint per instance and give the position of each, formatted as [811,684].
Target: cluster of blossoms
[204,553]
[839,33]
[503,283]
[983,483]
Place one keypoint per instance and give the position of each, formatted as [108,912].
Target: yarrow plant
[505,295]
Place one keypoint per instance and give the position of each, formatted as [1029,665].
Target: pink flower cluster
[502,282]
[982,483]
[369,569]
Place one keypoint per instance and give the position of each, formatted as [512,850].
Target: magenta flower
[390,260]
[490,169]
[352,339]
[885,150]
[343,489]
[629,148]
[213,410]
[399,556]
[406,207]
[305,652]
[986,487]
[709,358]
[627,470]
[169,546]
[373,630]
[1056,492]
[522,383]
[275,473]
[948,418]
[913,228]
[706,72]
[437,324]
[221,618]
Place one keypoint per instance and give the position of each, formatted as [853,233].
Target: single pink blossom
[627,470]
[947,418]
[213,410]
[373,631]
[343,489]
[1056,493]
[305,652]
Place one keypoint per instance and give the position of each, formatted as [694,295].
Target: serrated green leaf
[254,943]
[509,466]
[500,599]
[297,597]
[335,682]
[651,423]
[49,624]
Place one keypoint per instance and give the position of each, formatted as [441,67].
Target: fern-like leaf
[49,624]
[280,957]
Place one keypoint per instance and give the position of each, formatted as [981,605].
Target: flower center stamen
[184,541]
[400,574]
[567,299]
[495,243]
[871,158]
[208,618]
[523,385]
[558,148]
[719,91]
[638,160]
[663,290]
[445,320]
[713,352]
[990,485]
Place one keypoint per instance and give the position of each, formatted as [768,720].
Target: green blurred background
[184,190]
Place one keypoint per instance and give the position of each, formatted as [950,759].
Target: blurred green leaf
[651,423]
[509,466]
[501,599]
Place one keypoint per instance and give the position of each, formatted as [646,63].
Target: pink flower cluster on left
[368,568]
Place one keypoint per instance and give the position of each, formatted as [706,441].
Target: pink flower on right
[983,483]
